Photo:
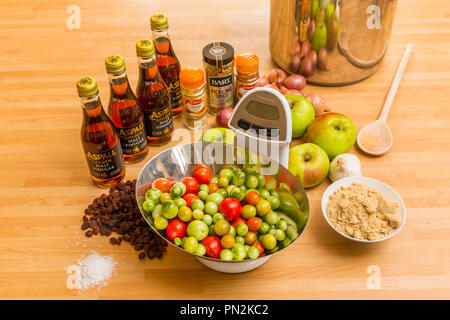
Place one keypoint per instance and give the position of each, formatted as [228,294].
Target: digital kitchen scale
[263,116]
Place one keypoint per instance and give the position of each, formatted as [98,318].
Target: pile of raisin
[118,212]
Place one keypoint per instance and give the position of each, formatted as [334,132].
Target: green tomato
[261,180]
[180,202]
[201,250]
[197,204]
[203,195]
[263,207]
[190,244]
[148,205]
[153,194]
[222,227]
[275,194]
[215,180]
[274,202]
[229,188]
[203,187]
[241,229]
[244,189]
[161,223]
[207,219]
[211,208]
[164,197]
[222,192]
[237,193]
[272,231]
[185,214]
[264,193]
[269,241]
[248,211]
[226,173]
[285,187]
[157,211]
[282,224]
[280,235]
[239,252]
[246,247]
[198,229]
[249,169]
[239,179]
[265,227]
[177,241]
[232,231]
[223,182]
[198,214]
[239,239]
[253,252]
[233,168]
[178,190]
[291,232]
[271,217]
[218,216]
[226,254]
[169,209]
[284,243]
[214,197]
[211,231]
[251,182]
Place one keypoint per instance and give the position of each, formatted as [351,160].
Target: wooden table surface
[45,185]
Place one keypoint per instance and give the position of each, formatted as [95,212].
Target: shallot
[277,76]
[307,67]
[295,81]
[317,101]
[322,59]
[263,80]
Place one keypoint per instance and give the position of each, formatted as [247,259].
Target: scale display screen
[262,110]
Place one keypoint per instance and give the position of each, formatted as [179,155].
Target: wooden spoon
[376,137]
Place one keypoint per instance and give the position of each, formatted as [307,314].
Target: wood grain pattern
[45,185]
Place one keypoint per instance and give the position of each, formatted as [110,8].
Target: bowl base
[234,267]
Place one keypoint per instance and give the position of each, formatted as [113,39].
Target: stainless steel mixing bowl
[176,162]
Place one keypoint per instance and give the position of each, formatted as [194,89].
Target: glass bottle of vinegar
[99,138]
[153,96]
[125,112]
[168,63]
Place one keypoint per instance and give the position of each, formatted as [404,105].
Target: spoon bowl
[375,138]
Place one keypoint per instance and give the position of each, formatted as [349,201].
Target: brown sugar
[363,212]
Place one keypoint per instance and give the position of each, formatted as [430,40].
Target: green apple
[333,132]
[302,112]
[218,135]
[309,163]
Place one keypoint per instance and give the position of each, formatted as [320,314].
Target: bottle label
[158,122]
[107,164]
[196,106]
[175,94]
[221,91]
[133,139]
[244,87]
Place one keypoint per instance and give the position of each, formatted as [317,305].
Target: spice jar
[193,92]
[218,60]
[247,73]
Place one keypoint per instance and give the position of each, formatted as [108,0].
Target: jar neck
[247,76]
[164,33]
[92,107]
[118,83]
[148,69]
[193,92]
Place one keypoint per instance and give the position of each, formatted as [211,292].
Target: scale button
[244,124]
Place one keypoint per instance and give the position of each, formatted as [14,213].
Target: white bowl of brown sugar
[363,209]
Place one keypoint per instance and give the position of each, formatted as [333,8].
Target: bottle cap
[159,21]
[115,64]
[218,53]
[247,63]
[192,78]
[145,48]
[87,87]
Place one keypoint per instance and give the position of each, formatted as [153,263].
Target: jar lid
[192,78]
[247,63]
[145,48]
[218,53]
[87,87]
[115,64]
[159,21]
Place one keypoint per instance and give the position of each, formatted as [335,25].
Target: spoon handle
[395,83]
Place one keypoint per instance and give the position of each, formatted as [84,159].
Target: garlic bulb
[344,165]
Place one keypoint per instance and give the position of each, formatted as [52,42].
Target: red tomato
[237,221]
[201,173]
[161,184]
[254,224]
[231,208]
[213,246]
[213,187]
[189,197]
[191,185]
[175,229]
[252,198]
[259,246]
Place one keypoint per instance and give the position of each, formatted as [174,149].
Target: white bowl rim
[371,182]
